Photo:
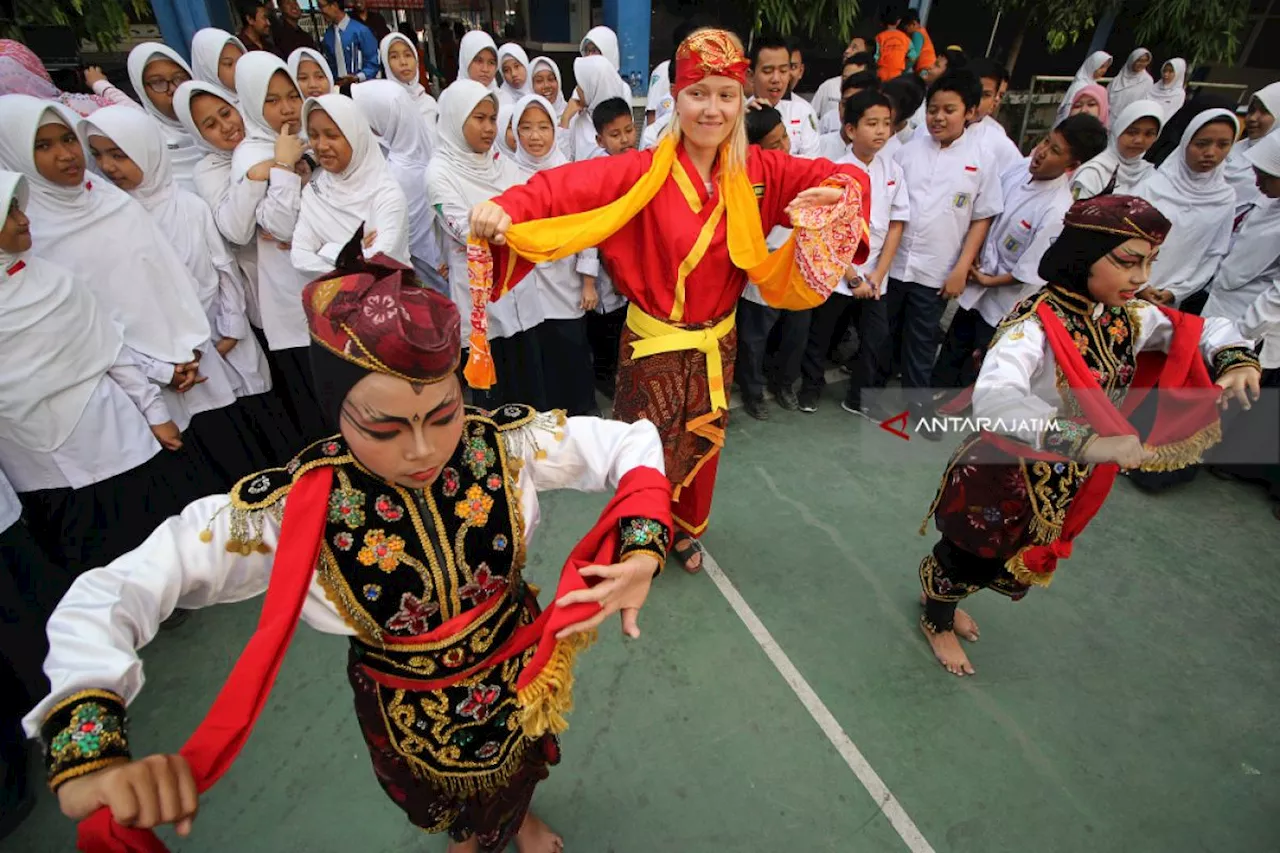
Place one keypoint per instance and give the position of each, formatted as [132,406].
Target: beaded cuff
[644,536]
[83,733]
[1068,438]
[1229,358]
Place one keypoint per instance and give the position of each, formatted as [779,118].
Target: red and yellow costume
[681,253]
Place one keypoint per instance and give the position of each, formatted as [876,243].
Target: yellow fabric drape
[657,336]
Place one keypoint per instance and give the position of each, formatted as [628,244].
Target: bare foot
[946,648]
[964,624]
[536,837]
[471,845]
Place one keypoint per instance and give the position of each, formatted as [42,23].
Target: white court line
[887,802]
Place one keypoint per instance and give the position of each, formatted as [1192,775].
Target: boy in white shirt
[828,98]
[995,140]
[770,79]
[1037,193]
[869,125]
[907,96]
[954,195]
[834,141]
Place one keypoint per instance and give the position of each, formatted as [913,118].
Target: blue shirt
[359,49]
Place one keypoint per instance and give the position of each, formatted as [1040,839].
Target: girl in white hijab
[403,137]
[400,60]
[156,71]
[597,83]
[505,143]
[311,72]
[214,54]
[544,80]
[562,336]
[1259,122]
[70,390]
[1168,91]
[602,41]
[478,59]
[1121,167]
[1190,188]
[269,157]
[1132,83]
[513,65]
[1090,71]
[463,173]
[353,188]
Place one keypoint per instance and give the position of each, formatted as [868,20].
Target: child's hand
[1240,384]
[623,587]
[93,75]
[1124,450]
[169,436]
[288,146]
[370,238]
[864,290]
[1156,296]
[144,794]
[226,345]
[590,296]
[260,171]
[876,279]
[954,284]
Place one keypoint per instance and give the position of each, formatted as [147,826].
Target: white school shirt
[1031,220]
[234,205]
[776,238]
[219,390]
[949,189]
[832,146]
[10,508]
[1018,383]
[119,415]
[829,123]
[111,612]
[889,203]
[280,285]
[827,99]
[895,143]
[802,125]
[589,263]
[995,143]
[649,139]
[1246,288]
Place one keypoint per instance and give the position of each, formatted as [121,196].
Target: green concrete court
[1130,707]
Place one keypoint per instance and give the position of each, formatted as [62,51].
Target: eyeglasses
[161,86]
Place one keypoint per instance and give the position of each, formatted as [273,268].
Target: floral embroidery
[641,532]
[413,614]
[489,750]
[500,542]
[449,478]
[330,448]
[1081,342]
[479,702]
[381,549]
[380,309]
[479,456]
[474,508]
[1118,332]
[372,591]
[387,509]
[346,507]
[453,657]
[91,731]
[513,411]
[293,466]
[259,485]
[494,482]
[484,587]
[343,540]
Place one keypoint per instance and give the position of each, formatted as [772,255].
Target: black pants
[914,313]
[871,370]
[961,354]
[567,365]
[755,322]
[605,332]
[951,574]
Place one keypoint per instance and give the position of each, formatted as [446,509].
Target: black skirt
[291,371]
[228,444]
[568,366]
[517,360]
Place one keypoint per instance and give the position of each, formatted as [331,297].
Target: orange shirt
[928,55]
[891,49]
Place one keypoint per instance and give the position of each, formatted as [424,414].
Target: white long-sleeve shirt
[111,612]
[1246,288]
[279,284]
[801,124]
[10,507]
[316,254]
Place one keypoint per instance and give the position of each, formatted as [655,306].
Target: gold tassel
[1188,451]
[1022,574]
[471,784]
[544,702]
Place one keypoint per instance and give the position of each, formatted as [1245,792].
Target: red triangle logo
[901,421]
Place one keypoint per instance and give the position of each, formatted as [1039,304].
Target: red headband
[709,53]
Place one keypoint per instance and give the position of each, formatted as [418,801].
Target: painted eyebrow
[374,416]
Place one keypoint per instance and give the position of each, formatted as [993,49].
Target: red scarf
[1186,418]
[543,685]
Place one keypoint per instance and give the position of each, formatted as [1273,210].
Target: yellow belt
[658,337]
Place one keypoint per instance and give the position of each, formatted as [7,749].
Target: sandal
[685,549]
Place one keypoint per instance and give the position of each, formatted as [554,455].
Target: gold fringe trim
[1181,454]
[545,701]
[1022,574]
[474,783]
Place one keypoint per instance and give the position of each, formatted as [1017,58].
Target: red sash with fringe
[543,688]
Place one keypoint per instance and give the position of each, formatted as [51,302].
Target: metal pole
[1026,114]
[991,41]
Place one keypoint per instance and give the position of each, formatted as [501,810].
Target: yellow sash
[658,336]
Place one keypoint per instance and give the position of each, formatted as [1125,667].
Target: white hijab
[516,52]
[1128,171]
[458,174]
[472,43]
[206,53]
[422,100]
[506,110]
[1249,258]
[301,53]
[1129,86]
[1170,97]
[1239,167]
[607,41]
[599,82]
[559,103]
[57,343]
[1084,77]
[212,175]
[253,75]
[335,205]
[105,237]
[526,164]
[182,148]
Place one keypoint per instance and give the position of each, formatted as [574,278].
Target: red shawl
[543,686]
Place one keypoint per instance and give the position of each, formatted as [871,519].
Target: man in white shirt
[770,79]
[954,194]
[1037,194]
[859,295]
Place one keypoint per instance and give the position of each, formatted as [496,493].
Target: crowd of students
[156,249]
